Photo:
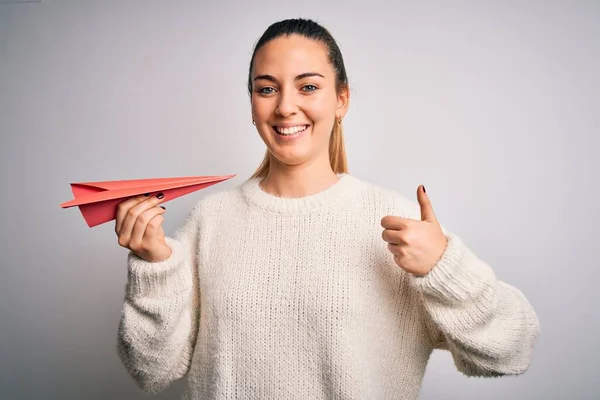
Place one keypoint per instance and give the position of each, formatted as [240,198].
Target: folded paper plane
[98,201]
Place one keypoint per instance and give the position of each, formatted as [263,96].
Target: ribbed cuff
[158,279]
[458,276]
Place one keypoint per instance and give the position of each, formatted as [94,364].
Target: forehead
[290,56]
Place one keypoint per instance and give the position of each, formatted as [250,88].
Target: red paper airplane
[98,201]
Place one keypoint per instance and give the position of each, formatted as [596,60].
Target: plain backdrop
[493,105]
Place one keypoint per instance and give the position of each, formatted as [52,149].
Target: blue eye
[266,90]
[309,88]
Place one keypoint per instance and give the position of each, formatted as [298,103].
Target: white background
[492,105]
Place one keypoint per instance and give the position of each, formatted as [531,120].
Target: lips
[289,130]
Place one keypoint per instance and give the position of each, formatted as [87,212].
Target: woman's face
[294,99]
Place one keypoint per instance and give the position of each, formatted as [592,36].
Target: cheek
[321,110]
[260,108]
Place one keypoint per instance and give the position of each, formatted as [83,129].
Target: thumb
[427,213]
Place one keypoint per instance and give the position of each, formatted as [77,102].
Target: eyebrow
[299,77]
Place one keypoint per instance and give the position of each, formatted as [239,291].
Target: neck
[298,180]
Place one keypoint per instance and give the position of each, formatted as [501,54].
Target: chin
[298,156]
[290,160]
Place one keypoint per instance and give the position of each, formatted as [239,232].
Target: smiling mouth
[289,130]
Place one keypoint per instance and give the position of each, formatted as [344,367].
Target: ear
[343,101]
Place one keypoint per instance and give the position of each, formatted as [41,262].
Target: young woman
[305,282]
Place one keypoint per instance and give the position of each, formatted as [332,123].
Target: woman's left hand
[416,245]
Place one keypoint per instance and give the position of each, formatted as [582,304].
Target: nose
[286,105]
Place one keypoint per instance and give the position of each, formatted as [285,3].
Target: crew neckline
[333,195]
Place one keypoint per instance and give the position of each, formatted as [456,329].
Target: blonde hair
[337,154]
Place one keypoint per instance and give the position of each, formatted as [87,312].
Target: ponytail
[337,150]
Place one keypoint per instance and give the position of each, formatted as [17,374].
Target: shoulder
[386,200]
[216,200]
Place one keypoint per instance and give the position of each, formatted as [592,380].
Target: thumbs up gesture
[416,245]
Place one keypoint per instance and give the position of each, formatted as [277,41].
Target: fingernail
[146,194]
[163,207]
[424,189]
[160,195]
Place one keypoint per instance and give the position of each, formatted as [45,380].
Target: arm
[159,323]
[489,326]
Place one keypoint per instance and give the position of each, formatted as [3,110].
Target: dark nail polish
[163,207]
[146,194]
[160,195]
[424,189]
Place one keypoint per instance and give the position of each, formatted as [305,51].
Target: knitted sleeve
[488,326]
[159,322]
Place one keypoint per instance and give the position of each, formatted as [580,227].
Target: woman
[305,282]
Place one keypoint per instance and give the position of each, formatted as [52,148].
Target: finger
[124,206]
[395,249]
[145,226]
[399,261]
[395,237]
[154,228]
[427,213]
[397,223]
[390,236]
[133,213]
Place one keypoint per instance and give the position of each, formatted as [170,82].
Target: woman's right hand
[139,227]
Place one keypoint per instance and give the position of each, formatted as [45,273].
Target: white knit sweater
[276,298]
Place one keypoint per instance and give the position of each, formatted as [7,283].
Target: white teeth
[291,130]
